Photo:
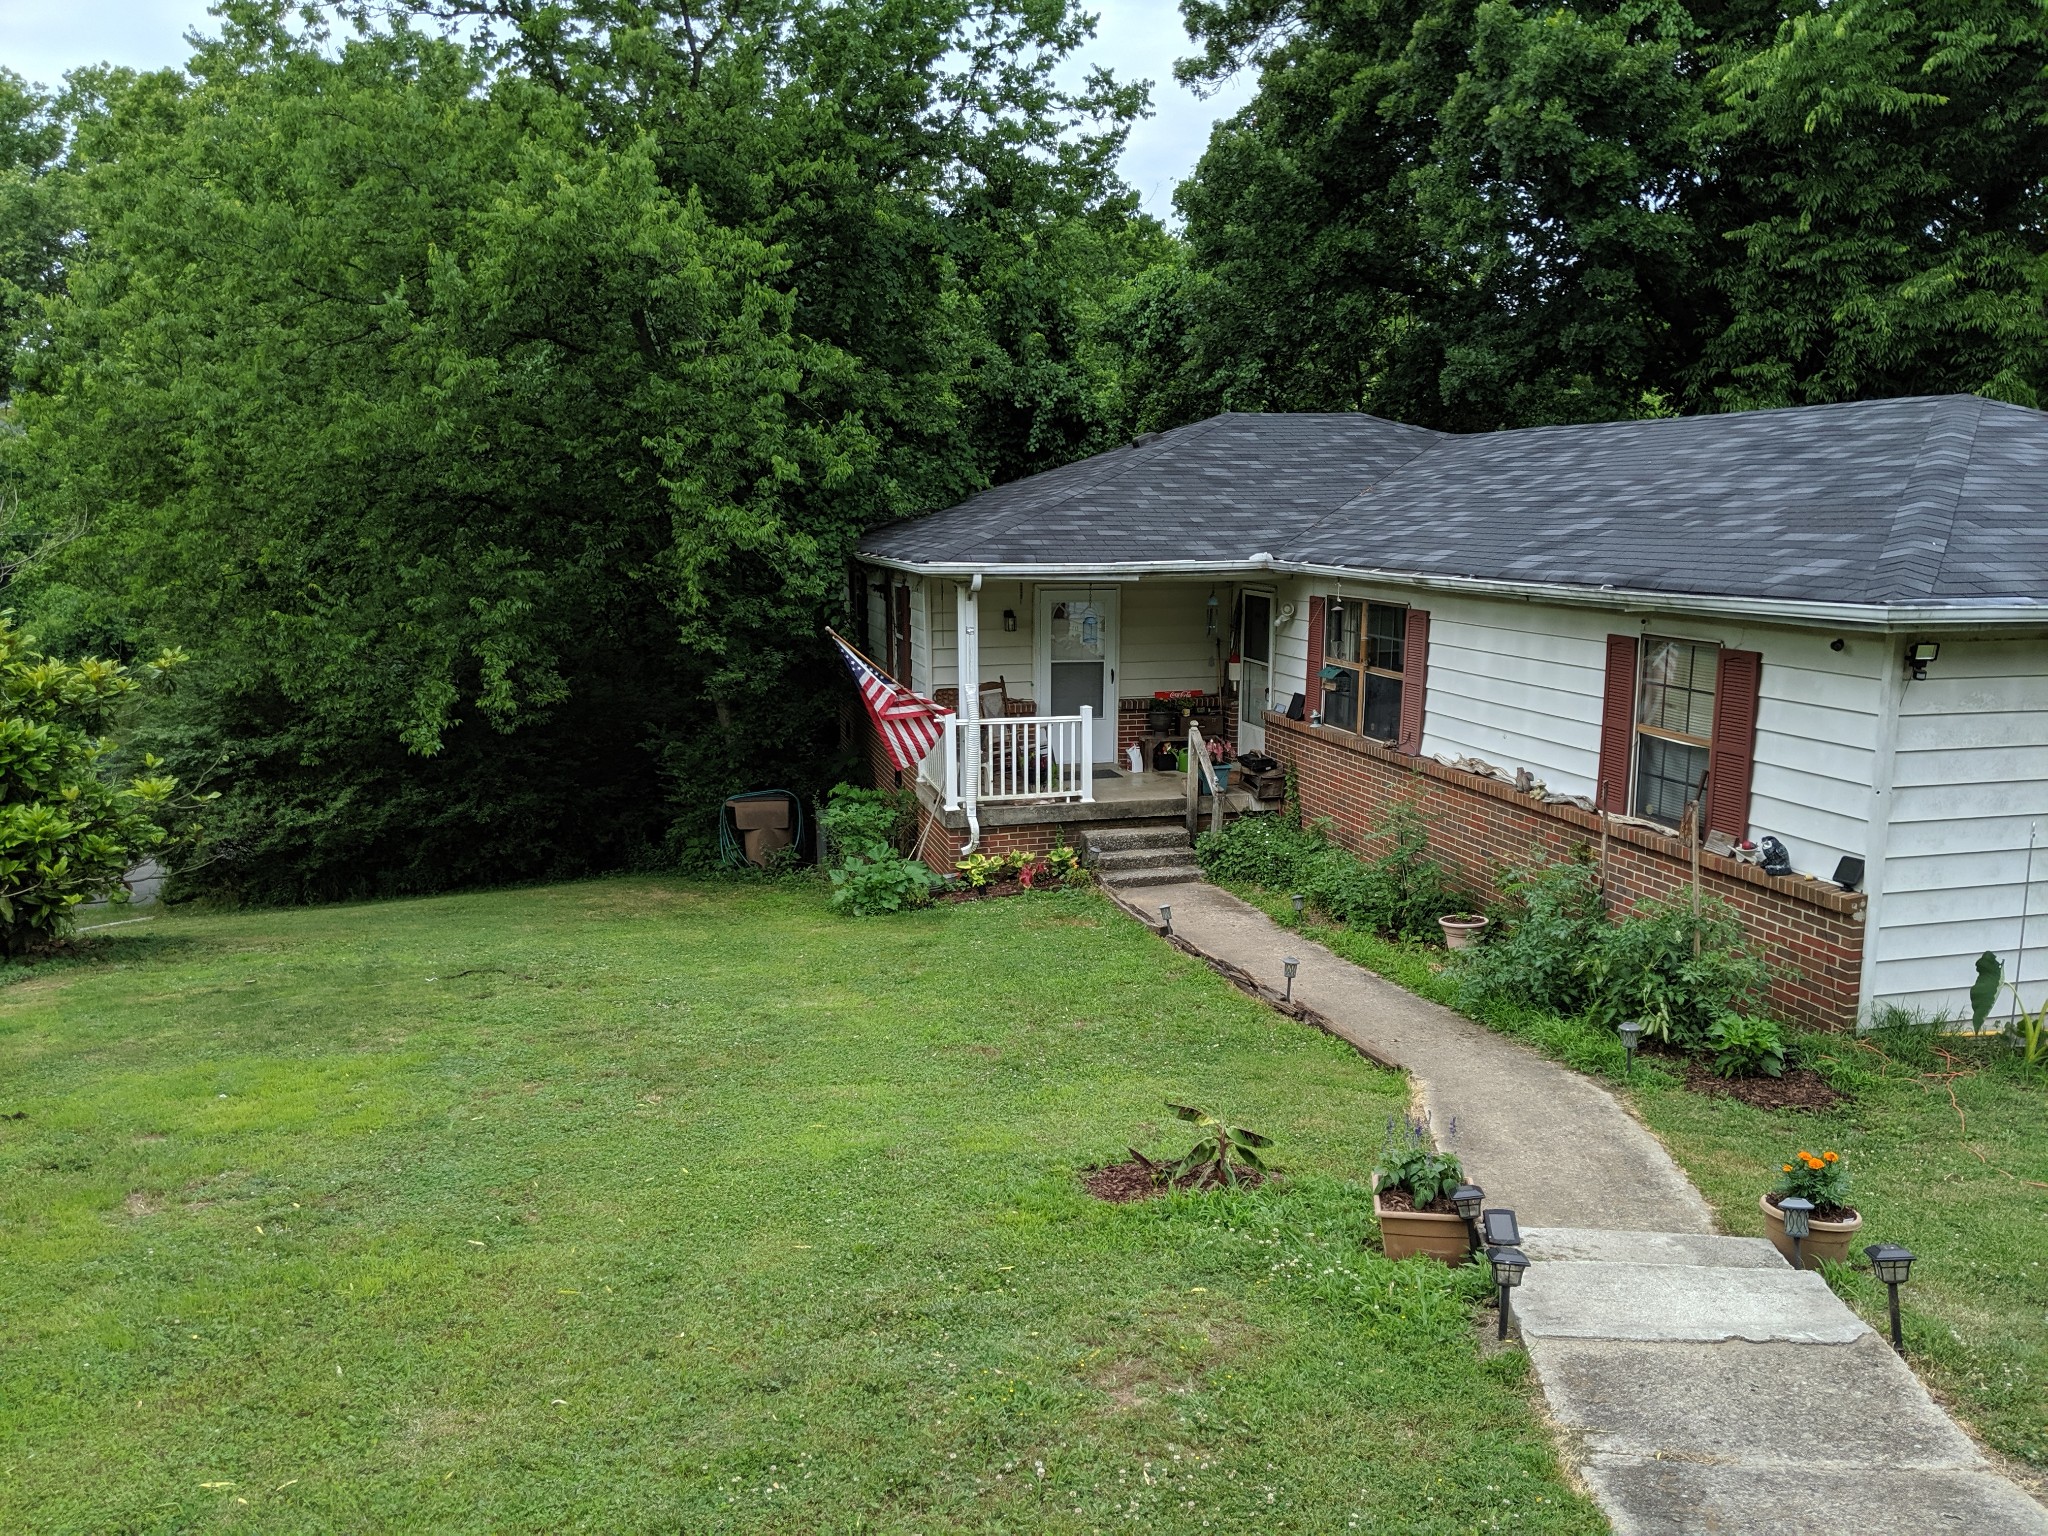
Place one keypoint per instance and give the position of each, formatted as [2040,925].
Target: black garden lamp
[1499,1229]
[1470,1199]
[1508,1265]
[1631,1034]
[1894,1266]
[1798,1214]
[1298,899]
[1166,918]
[1288,966]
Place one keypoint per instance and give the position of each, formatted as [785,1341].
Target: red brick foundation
[1812,934]
[939,845]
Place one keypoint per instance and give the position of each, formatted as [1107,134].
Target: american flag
[909,723]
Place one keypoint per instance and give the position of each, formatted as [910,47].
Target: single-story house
[1829,622]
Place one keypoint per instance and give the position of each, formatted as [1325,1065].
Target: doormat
[1100,772]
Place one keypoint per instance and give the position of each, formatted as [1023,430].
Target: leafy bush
[1822,1178]
[985,869]
[1411,1161]
[1272,851]
[1643,967]
[1398,890]
[1214,1159]
[1056,866]
[866,822]
[1743,1045]
[1549,917]
[888,882]
[72,824]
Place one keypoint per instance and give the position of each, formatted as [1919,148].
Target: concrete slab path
[1701,1384]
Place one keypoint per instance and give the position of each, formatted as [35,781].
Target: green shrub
[869,887]
[1643,967]
[1397,889]
[1743,1045]
[1271,851]
[867,822]
[1549,916]
[1411,1161]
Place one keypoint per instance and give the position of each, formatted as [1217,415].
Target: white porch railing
[1037,757]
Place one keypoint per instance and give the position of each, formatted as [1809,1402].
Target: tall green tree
[494,423]
[1478,213]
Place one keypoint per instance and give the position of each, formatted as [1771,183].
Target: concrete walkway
[1700,1383]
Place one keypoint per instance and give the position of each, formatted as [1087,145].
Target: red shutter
[1618,723]
[1414,680]
[1734,749]
[1314,690]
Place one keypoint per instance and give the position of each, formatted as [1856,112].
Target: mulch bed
[1800,1088]
[1128,1181]
[1398,1199]
[995,888]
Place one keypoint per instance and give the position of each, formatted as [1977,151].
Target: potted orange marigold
[1823,1178]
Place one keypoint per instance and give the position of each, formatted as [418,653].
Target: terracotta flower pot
[1825,1240]
[1439,1235]
[1462,930]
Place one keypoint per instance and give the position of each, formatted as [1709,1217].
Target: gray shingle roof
[1930,500]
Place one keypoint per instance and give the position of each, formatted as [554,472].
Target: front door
[1255,672]
[1077,658]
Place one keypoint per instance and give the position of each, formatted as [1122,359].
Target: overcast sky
[1139,39]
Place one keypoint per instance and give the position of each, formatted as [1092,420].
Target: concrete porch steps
[1139,854]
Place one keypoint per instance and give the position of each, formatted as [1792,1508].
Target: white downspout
[967,618]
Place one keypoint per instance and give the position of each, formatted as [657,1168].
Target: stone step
[1116,861]
[1594,1245]
[1123,839]
[1136,879]
[1681,1303]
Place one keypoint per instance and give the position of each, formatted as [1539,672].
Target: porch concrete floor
[1127,797]
[1680,1367]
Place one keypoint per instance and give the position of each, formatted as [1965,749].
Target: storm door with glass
[1077,658]
[1255,671]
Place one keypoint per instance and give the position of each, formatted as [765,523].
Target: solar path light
[1297,899]
[1469,1199]
[1508,1265]
[1499,1228]
[1631,1035]
[1166,918]
[1288,967]
[1798,1214]
[1894,1266]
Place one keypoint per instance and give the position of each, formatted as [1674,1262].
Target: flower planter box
[1462,930]
[1437,1234]
[1825,1240]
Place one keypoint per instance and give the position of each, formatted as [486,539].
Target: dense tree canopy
[1474,213]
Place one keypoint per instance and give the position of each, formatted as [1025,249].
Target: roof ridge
[1917,547]
[1436,439]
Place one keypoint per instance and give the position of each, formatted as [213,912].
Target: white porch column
[967,618]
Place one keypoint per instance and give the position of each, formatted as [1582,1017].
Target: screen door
[1077,658]
[1255,673]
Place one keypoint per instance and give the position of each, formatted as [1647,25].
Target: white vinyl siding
[1969,780]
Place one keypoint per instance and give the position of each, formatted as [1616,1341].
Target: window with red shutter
[1414,681]
[1618,724]
[1732,755]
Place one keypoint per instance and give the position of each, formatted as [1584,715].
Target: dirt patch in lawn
[1801,1088]
[1128,1181]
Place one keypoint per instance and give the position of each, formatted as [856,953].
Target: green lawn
[1967,1192]
[641,1204]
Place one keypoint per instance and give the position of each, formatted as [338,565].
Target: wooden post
[1690,830]
[1194,767]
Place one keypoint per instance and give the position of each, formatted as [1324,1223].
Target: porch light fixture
[1009,621]
[1288,966]
[1631,1035]
[1166,918]
[1508,1267]
[1894,1266]
[1798,1214]
[1297,899]
[1918,655]
[1211,613]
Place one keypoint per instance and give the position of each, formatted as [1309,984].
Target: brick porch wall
[939,845]
[1811,933]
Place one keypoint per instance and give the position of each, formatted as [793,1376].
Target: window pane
[1340,630]
[1382,707]
[1678,686]
[1667,775]
[1340,700]
[1386,632]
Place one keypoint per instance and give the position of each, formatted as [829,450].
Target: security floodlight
[1288,967]
[1918,655]
[1508,1265]
[1894,1266]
